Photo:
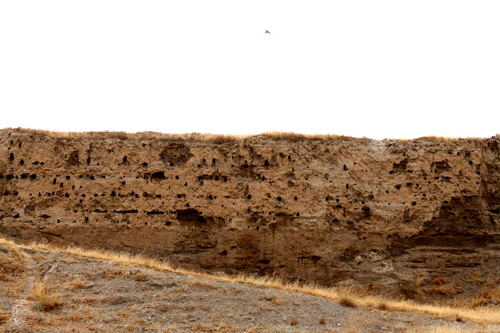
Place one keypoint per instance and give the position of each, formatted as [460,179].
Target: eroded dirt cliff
[323,211]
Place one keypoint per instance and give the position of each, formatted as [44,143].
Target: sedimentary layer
[323,211]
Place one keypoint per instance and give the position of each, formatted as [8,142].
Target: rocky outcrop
[324,211]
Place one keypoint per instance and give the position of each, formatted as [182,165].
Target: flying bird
[267,32]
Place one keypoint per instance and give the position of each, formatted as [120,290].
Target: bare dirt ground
[48,291]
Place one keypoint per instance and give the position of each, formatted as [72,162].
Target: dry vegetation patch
[44,298]
[208,137]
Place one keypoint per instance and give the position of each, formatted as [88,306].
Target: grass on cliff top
[346,297]
[209,138]
[198,137]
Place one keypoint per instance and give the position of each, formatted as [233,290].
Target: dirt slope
[104,296]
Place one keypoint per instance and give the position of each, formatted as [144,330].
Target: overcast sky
[380,69]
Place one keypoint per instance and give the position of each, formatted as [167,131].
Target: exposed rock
[319,211]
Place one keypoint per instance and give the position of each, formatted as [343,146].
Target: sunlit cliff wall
[323,211]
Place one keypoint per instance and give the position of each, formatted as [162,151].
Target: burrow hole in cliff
[11,157]
[249,196]
[279,198]
[295,198]
[21,162]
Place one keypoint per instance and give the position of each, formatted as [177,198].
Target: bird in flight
[267,32]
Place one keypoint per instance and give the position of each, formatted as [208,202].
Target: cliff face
[321,211]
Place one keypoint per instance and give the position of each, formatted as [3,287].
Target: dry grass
[13,270]
[294,321]
[448,139]
[202,285]
[484,297]
[198,137]
[43,297]
[4,317]
[37,256]
[346,298]
[439,281]
[208,137]
[12,264]
[478,314]
[445,289]
[76,283]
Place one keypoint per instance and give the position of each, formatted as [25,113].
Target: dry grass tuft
[445,289]
[38,256]
[202,285]
[322,321]
[382,305]
[347,298]
[12,264]
[273,298]
[294,321]
[44,299]
[485,297]
[439,281]
[4,317]
[76,283]
[419,282]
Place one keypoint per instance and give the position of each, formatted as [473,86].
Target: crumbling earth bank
[347,209]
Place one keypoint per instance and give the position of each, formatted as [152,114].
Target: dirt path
[22,307]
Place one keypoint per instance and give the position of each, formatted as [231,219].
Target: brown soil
[103,296]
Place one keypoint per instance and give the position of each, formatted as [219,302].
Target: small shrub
[44,299]
[322,321]
[294,321]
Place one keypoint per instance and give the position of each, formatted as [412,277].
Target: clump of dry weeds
[347,297]
[4,317]
[12,264]
[44,299]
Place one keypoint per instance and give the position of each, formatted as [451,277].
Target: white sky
[380,69]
